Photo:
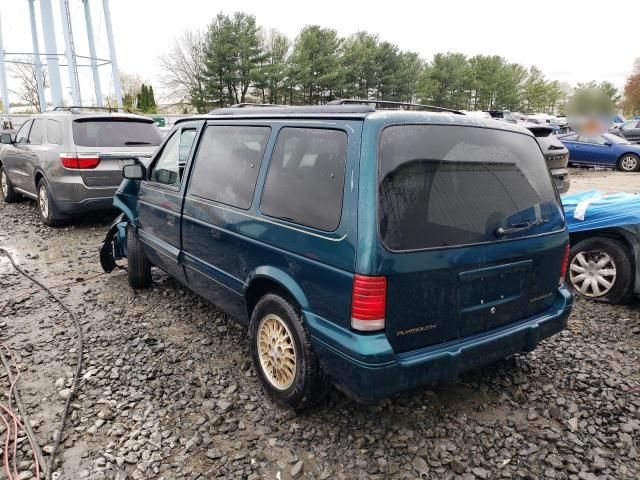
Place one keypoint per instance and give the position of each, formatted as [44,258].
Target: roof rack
[388,103]
[74,108]
[251,104]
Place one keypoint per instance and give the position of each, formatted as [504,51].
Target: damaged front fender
[114,246]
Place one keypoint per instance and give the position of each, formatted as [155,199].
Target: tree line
[631,102]
[236,61]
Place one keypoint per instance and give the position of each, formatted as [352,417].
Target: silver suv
[70,160]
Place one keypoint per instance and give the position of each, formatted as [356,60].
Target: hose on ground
[25,425]
[80,347]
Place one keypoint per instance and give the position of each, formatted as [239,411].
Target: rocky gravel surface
[168,391]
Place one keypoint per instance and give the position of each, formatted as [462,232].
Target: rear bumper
[561,179]
[367,367]
[73,196]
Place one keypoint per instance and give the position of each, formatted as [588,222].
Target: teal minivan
[371,245]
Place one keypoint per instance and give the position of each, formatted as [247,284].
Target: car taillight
[80,161]
[368,302]
[565,265]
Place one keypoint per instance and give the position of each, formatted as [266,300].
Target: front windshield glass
[616,139]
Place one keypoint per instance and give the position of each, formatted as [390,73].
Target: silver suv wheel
[4,182]
[43,201]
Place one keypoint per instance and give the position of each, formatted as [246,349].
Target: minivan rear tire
[9,195]
[621,292]
[138,265]
[49,213]
[308,385]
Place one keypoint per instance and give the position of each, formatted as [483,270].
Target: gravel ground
[168,391]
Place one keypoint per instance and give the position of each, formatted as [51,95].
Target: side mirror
[134,172]
[6,139]
[608,143]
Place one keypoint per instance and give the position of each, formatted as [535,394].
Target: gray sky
[569,40]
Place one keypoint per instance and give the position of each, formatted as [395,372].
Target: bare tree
[130,85]
[184,71]
[24,71]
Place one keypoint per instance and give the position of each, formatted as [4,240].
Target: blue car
[605,150]
[375,249]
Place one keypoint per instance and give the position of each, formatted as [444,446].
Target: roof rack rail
[72,108]
[251,104]
[389,103]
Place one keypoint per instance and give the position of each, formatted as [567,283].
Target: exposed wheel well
[624,154]
[38,176]
[260,287]
[614,234]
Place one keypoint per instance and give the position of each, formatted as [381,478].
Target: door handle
[171,220]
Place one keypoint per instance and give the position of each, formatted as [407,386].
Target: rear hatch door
[471,230]
[116,141]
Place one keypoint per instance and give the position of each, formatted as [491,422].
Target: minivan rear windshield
[446,185]
[112,132]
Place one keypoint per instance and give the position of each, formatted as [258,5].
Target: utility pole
[4,91]
[92,53]
[36,56]
[51,52]
[70,51]
[112,53]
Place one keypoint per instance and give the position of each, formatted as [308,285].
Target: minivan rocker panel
[382,250]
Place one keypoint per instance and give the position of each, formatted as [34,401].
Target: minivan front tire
[282,355]
[138,265]
[47,207]
[9,195]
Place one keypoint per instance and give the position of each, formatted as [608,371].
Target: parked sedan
[605,150]
[629,130]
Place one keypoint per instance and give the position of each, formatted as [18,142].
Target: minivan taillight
[368,303]
[565,265]
[80,161]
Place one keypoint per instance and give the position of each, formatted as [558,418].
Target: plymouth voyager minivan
[366,244]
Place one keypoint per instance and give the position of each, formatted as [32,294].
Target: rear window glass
[115,133]
[305,181]
[448,185]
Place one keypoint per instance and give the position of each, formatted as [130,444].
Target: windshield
[112,132]
[616,139]
[452,185]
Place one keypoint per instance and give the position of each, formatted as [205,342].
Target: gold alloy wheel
[276,351]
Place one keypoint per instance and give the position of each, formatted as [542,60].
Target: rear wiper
[518,227]
[137,143]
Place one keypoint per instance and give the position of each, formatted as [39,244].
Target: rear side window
[227,164]
[452,185]
[54,132]
[35,136]
[305,181]
[112,132]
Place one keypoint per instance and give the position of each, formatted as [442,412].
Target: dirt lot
[168,391]
[606,180]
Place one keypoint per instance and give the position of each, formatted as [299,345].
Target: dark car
[376,249]
[555,153]
[629,130]
[604,150]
